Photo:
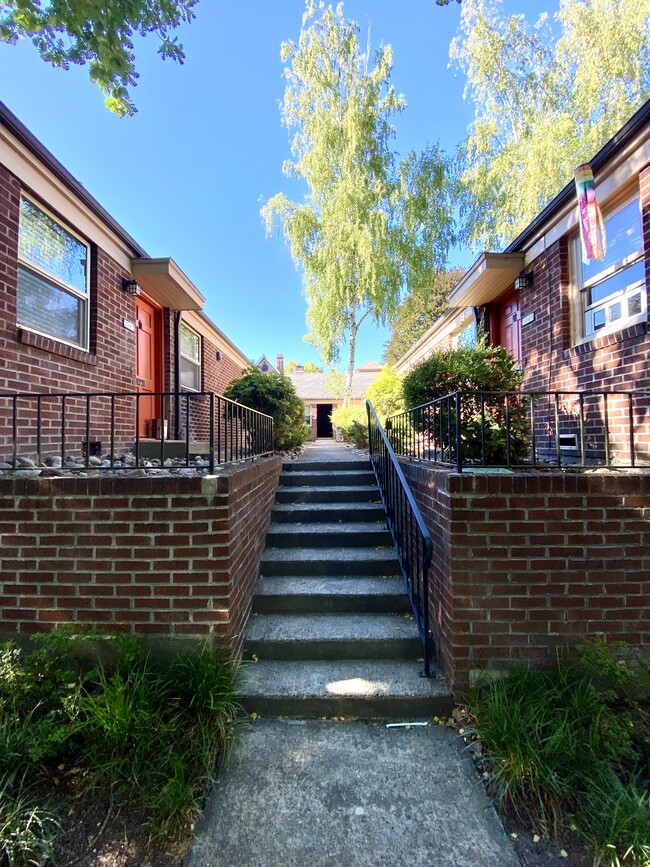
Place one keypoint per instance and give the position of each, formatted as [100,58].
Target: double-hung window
[190,367]
[613,289]
[53,277]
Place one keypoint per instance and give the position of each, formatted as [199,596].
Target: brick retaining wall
[526,562]
[172,558]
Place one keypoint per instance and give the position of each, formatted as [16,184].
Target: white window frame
[586,311]
[61,284]
[196,363]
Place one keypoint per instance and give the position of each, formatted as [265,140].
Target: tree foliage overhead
[308,367]
[101,34]
[548,95]
[367,226]
[419,310]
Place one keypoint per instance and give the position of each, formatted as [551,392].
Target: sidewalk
[348,794]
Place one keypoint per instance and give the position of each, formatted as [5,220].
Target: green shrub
[351,422]
[570,747]
[273,394]
[481,368]
[386,393]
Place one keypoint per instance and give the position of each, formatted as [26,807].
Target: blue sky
[186,176]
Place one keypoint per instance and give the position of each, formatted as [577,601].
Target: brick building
[573,327]
[85,309]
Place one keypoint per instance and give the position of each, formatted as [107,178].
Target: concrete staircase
[332,632]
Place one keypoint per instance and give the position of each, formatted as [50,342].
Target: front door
[510,325]
[147,376]
[323,420]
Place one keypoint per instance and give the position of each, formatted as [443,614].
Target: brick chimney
[280,362]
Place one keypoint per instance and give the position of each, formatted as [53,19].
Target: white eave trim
[164,281]
[488,278]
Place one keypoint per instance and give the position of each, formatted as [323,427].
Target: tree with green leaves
[386,392]
[419,310]
[547,97]
[368,226]
[100,34]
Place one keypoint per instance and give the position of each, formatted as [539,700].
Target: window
[190,359]
[613,289]
[308,414]
[53,284]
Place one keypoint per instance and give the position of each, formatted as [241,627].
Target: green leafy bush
[149,731]
[386,393]
[273,394]
[481,368]
[351,422]
[570,747]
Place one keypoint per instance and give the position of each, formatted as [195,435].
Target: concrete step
[308,595]
[306,513]
[329,561]
[332,636]
[341,478]
[358,689]
[323,466]
[329,535]
[328,494]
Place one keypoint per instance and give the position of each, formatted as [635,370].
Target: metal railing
[410,535]
[72,430]
[579,429]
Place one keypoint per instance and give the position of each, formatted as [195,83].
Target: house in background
[85,309]
[574,327]
[315,390]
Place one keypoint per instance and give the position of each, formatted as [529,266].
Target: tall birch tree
[369,225]
[547,96]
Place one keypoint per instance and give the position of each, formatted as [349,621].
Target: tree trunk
[354,327]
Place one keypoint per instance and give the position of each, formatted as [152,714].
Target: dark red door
[510,325]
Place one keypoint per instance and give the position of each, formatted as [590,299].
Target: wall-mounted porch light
[523,280]
[131,286]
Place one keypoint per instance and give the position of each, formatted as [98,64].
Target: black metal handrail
[579,429]
[71,428]
[410,535]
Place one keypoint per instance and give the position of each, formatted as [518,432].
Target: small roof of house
[315,386]
[265,365]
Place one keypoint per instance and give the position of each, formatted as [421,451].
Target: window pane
[190,375]
[621,280]
[47,308]
[615,312]
[634,305]
[51,248]
[190,344]
[623,237]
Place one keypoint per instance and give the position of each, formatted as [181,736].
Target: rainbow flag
[594,243]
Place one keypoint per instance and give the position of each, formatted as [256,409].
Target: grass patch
[570,748]
[149,732]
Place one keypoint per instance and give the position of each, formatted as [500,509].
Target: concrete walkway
[348,794]
[324,793]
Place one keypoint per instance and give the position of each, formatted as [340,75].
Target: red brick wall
[174,557]
[526,562]
[615,361]
[31,363]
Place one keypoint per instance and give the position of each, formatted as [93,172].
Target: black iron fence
[537,429]
[411,537]
[126,430]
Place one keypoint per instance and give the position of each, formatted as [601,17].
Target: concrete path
[330,450]
[343,794]
[322,793]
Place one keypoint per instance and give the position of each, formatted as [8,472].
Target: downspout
[177,374]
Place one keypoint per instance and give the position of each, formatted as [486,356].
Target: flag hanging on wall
[592,229]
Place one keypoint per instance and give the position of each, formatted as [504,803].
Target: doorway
[510,325]
[323,420]
[148,373]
